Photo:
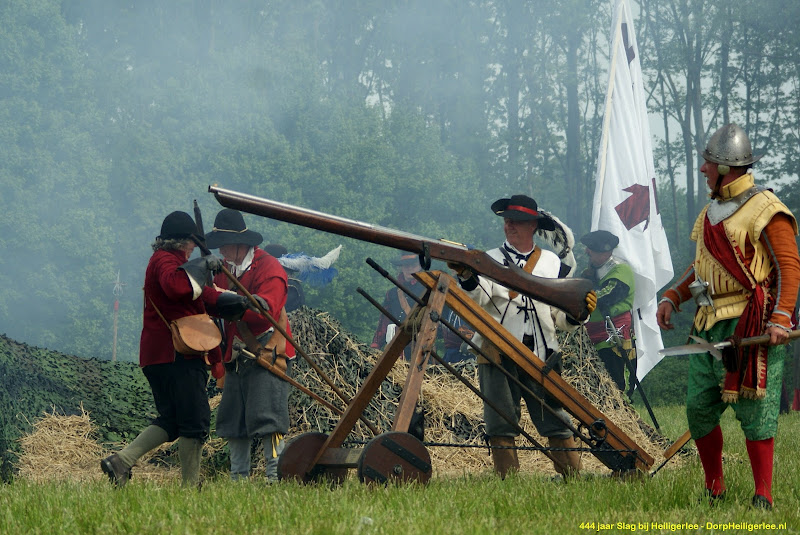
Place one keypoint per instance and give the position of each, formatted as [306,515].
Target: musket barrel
[567,294]
[341,226]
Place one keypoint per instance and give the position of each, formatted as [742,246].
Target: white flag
[625,191]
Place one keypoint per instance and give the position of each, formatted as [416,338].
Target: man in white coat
[532,322]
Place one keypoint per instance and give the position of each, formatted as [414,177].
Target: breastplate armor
[742,227]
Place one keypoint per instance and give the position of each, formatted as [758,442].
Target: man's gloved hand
[466,277]
[201,269]
[461,270]
[213,263]
[231,306]
[591,301]
[261,301]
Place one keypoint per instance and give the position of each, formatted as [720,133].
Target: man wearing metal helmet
[614,282]
[744,279]
[532,322]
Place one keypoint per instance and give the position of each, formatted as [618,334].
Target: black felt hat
[177,226]
[275,249]
[229,229]
[522,208]
[601,241]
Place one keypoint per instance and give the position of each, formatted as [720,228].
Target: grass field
[470,503]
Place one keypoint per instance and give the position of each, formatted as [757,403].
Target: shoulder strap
[528,268]
[159,313]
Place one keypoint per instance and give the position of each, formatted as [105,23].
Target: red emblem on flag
[635,208]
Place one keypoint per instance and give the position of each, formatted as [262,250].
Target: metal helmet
[730,146]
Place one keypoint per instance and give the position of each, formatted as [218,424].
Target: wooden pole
[117,292]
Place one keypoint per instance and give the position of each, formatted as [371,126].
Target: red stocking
[761,454]
[710,449]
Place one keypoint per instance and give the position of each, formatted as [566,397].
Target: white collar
[607,266]
[523,253]
[238,270]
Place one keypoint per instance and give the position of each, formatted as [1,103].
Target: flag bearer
[616,289]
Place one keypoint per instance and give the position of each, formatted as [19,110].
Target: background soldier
[397,302]
[615,287]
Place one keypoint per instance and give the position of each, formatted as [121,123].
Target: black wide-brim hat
[522,208]
[601,241]
[177,226]
[229,229]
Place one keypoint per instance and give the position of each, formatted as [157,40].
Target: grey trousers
[272,444]
[507,396]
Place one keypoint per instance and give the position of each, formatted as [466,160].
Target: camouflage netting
[116,403]
[38,381]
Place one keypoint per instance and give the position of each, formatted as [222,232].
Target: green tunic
[612,299]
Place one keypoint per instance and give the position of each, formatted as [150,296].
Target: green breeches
[704,405]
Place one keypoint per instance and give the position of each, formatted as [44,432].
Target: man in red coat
[255,403]
[174,288]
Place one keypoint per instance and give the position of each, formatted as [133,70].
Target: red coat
[169,288]
[267,279]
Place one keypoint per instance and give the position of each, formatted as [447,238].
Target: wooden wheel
[394,457]
[295,461]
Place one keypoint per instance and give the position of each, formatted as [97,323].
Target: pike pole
[117,292]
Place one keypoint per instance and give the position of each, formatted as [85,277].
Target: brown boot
[568,462]
[504,459]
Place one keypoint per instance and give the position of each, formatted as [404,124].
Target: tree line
[408,114]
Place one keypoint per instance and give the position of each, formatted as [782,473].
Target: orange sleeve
[779,238]
[679,291]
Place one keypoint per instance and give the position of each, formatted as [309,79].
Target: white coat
[523,315]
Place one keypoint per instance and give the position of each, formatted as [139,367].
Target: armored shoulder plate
[722,210]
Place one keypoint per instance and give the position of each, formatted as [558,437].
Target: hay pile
[66,446]
[60,448]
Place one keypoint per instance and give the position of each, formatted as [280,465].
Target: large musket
[567,294]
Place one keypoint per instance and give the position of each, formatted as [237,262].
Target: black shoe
[761,502]
[117,472]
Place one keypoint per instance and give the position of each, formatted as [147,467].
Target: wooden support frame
[426,336]
[443,289]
